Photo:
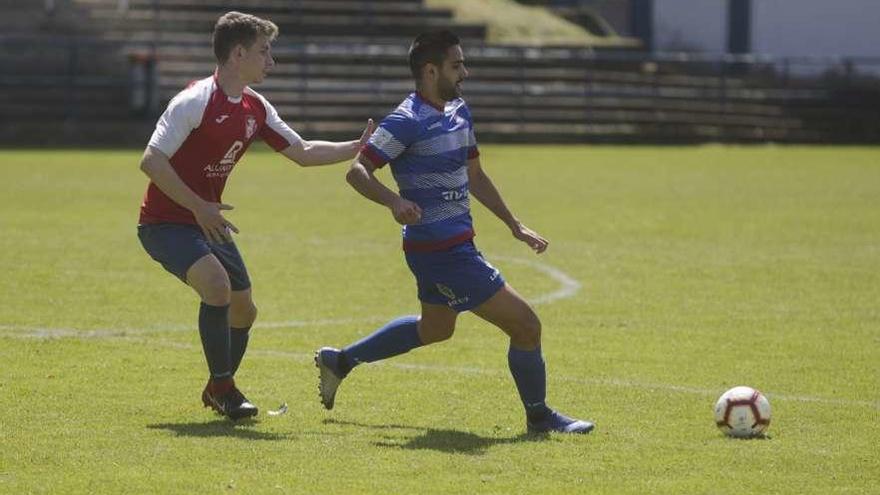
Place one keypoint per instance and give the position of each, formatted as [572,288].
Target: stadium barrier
[516,93]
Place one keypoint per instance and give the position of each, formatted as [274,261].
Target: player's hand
[530,237]
[216,228]
[368,131]
[406,212]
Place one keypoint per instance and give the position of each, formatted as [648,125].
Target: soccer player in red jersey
[196,144]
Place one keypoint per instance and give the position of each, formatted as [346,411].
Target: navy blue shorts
[177,246]
[458,277]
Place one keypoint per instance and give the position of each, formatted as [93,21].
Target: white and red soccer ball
[742,412]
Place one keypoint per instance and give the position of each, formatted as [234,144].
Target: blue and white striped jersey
[428,149]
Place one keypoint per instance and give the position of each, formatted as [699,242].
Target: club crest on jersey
[250,127]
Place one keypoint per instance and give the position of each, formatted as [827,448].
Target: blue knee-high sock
[214,330]
[396,337]
[530,375]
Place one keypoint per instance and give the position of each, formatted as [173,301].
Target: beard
[449,90]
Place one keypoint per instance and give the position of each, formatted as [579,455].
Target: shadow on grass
[218,428]
[754,438]
[443,440]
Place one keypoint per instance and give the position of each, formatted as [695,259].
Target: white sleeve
[184,113]
[276,133]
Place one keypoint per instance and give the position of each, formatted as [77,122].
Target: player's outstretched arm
[482,188]
[314,153]
[158,168]
[362,179]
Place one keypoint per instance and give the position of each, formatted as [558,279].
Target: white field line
[616,382]
[50,333]
[568,288]
[567,285]
[470,370]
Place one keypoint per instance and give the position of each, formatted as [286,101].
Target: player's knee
[216,291]
[244,314]
[529,334]
[252,312]
[445,333]
[533,328]
[433,333]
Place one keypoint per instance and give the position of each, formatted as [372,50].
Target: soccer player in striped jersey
[195,146]
[429,142]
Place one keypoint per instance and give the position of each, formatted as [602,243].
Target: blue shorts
[177,246]
[458,277]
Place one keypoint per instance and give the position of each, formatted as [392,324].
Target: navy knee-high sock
[530,375]
[238,341]
[214,330]
[396,337]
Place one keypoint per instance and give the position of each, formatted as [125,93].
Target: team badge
[250,127]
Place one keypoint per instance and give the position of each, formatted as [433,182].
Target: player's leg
[437,323]
[209,278]
[183,251]
[507,310]
[242,314]
[399,336]
[210,281]
[242,310]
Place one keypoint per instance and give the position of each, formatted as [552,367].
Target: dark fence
[86,90]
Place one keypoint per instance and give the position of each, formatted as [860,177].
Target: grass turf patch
[699,269]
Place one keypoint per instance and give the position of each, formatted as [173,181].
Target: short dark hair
[430,47]
[235,28]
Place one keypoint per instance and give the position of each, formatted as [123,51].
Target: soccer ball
[742,412]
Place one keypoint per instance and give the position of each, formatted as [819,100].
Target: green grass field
[672,275]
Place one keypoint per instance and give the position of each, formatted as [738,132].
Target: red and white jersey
[204,132]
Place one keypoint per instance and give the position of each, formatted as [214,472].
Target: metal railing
[70,64]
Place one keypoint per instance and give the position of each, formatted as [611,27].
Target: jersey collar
[230,99]
[428,102]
